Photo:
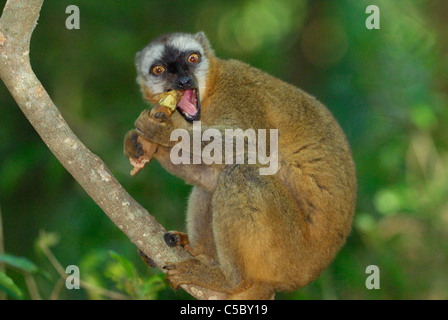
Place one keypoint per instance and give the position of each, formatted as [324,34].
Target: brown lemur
[249,234]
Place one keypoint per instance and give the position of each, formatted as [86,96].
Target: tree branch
[17,23]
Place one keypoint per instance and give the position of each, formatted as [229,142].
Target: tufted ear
[203,40]
[137,58]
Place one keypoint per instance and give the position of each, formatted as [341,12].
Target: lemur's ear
[137,58]
[203,40]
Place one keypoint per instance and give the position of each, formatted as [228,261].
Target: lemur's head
[178,61]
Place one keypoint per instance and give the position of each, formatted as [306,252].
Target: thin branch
[16,26]
[32,286]
[57,290]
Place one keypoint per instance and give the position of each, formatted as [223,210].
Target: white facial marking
[153,54]
[150,56]
[185,43]
[201,76]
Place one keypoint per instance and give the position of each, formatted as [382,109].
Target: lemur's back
[315,163]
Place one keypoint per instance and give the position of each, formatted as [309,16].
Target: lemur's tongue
[188,102]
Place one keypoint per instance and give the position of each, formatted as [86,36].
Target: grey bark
[17,23]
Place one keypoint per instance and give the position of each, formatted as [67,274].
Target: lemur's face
[175,61]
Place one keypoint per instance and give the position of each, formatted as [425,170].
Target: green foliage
[20,263]
[387,88]
[8,286]
[123,274]
[126,278]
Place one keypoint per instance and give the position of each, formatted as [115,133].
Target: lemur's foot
[183,272]
[147,259]
[201,270]
[175,238]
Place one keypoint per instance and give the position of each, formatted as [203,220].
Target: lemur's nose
[185,83]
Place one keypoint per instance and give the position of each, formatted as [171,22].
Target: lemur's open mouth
[189,105]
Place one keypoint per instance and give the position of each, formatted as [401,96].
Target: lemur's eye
[193,58]
[158,70]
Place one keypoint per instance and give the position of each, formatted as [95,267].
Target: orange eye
[158,70]
[193,58]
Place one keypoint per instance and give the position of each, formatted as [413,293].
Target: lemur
[250,235]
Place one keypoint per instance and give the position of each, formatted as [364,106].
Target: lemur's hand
[155,128]
[133,148]
[138,150]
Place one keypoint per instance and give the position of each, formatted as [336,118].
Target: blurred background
[388,88]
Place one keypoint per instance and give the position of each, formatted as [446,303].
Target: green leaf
[7,283]
[19,262]
[152,286]
[388,202]
[125,264]
[365,222]
[46,239]
[423,117]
